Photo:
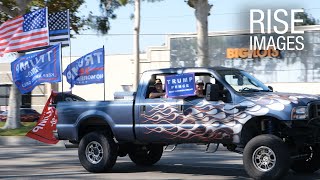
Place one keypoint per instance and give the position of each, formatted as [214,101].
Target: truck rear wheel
[266,157]
[97,152]
[309,165]
[146,155]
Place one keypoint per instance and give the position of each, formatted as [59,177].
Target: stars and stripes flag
[59,28]
[25,32]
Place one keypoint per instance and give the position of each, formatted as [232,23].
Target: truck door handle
[180,107]
[241,108]
[143,109]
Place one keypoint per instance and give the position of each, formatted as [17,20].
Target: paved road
[56,162]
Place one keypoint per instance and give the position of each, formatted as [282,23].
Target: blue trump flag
[30,70]
[180,85]
[89,69]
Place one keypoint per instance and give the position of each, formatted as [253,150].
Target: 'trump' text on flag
[88,69]
[25,32]
[46,123]
[33,69]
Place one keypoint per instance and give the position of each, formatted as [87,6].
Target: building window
[4,97]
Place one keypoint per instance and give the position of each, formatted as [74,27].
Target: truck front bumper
[305,131]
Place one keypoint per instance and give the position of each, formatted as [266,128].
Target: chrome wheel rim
[94,152]
[264,159]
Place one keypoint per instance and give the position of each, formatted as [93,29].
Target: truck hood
[267,98]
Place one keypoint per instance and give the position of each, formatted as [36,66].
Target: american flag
[24,32]
[59,30]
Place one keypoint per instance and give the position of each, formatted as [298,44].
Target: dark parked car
[26,115]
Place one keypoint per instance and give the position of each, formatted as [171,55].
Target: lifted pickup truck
[274,131]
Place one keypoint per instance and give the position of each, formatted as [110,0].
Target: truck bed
[118,114]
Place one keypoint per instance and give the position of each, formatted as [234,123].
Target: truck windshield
[242,81]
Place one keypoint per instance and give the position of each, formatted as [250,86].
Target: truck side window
[224,93]
[155,87]
[149,90]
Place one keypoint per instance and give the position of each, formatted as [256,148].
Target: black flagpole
[68,16]
[61,64]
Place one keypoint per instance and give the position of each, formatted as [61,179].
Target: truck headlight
[300,112]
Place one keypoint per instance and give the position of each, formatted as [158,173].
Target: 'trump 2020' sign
[33,69]
[180,85]
[88,69]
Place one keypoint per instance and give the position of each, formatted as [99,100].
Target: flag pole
[68,16]
[61,64]
[104,76]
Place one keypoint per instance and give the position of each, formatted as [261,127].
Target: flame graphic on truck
[210,121]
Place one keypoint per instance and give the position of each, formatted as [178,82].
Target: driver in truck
[158,91]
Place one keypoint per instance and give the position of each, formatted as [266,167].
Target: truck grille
[314,110]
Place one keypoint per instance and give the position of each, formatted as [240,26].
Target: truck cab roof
[198,69]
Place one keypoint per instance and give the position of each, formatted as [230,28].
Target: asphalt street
[38,161]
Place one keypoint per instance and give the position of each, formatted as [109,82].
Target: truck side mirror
[212,92]
[271,88]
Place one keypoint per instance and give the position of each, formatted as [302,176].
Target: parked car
[26,115]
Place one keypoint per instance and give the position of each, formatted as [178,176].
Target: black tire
[310,165]
[271,149]
[146,156]
[97,152]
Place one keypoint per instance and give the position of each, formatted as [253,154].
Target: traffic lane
[53,162]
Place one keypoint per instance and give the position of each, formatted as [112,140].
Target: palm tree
[202,11]
[136,43]
[13,117]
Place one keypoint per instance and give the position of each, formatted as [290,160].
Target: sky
[172,17]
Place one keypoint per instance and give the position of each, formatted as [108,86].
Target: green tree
[308,19]
[13,8]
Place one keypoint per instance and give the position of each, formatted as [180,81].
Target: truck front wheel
[146,155]
[309,165]
[97,152]
[266,157]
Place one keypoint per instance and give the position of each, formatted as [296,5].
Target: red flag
[46,124]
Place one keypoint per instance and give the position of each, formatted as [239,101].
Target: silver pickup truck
[274,131]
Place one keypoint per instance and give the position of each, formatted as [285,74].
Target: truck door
[157,120]
[205,121]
